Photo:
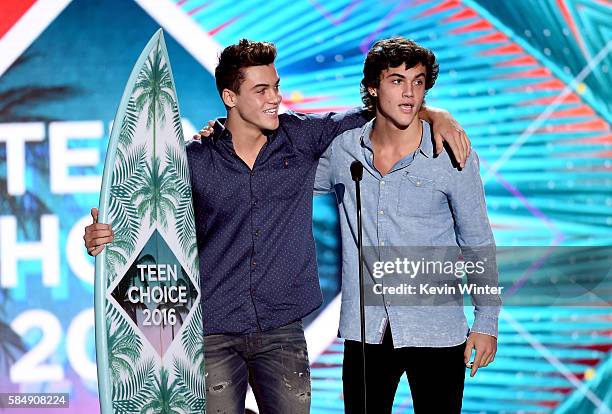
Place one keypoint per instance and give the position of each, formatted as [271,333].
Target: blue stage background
[529,80]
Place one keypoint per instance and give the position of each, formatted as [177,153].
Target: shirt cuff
[485,325]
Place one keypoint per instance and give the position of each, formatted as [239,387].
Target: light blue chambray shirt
[422,201]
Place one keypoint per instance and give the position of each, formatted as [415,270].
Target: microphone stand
[357,175]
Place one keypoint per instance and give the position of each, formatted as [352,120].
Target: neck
[245,136]
[387,134]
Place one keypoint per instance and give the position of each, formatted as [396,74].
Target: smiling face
[258,97]
[400,94]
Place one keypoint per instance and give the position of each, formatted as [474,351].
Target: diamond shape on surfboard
[156,293]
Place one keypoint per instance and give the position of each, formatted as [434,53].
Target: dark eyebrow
[397,75]
[265,85]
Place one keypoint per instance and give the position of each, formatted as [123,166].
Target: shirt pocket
[415,196]
[288,176]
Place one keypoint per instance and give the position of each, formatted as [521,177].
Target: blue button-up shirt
[254,227]
[422,201]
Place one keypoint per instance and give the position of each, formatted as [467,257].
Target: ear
[229,98]
[372,92]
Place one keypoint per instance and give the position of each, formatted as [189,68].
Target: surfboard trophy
[148,318]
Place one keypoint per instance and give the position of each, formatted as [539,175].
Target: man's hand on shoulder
[205,132]
[447,129]
[486,348]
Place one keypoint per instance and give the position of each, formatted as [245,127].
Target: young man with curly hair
[409,198]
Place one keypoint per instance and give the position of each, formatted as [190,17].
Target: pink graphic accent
[582,110]
[595,125]
[523,60]
[572,24]
[198,8]
[442,7]
[490,38]
[604,139]
[571,98]
[462,15]
[481,24]
[540,72]
[553,84]
[223,25]
[510,49]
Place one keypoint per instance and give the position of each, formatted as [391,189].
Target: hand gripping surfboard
[148,319]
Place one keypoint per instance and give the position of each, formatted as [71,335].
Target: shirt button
[418,183]
[254,202]
[253,263]
[382,183]
[388,303]
[382,243]
[252,173]
[381,212]
[257,232]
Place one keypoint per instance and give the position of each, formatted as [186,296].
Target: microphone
[356,171]
[357,175]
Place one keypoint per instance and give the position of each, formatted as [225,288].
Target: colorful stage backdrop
[528,79]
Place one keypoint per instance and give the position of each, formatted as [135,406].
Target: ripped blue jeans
[274,363]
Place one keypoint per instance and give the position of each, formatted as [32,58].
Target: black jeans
[435,376]
[274,363]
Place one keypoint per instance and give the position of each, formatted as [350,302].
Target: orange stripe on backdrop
[524,60]
[11,11]
[531,73]
[464,14]
[582,110]
[572,24]
[502,50]
[595,125]
[571,98]
[479,25]
[604,154]
[490,38]
[447,5]
[602,139]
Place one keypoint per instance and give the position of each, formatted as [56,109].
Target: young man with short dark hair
[408,198]
[252,193]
